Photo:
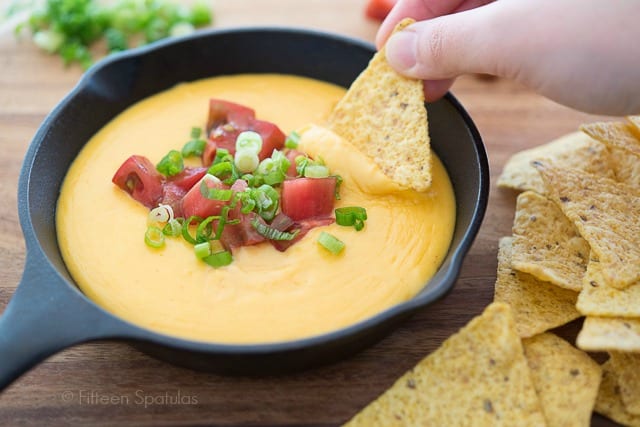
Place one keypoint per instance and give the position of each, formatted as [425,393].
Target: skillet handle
[45,316]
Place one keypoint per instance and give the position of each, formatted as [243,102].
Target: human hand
[581,53]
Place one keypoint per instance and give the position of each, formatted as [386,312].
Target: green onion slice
[249,141]
[153,237]
[162,213]
[205,228]
[171,164]
[221,194]
[173,228]
[246,160]
[316,171]
[272,233]
[219,259]
[185,229]
[194,148]
[330,243]
[351,216]
[202,250]
[292,141]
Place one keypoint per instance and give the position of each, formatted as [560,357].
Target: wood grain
[73,386]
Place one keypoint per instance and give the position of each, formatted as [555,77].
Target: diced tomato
[222,112]
[172,195]
[225,136]
[209,152]
[139,177]
[272,137]
[194,203]
[291,156]
[188,178]
[379,9]
[303,228]
[241,234]
[304,198]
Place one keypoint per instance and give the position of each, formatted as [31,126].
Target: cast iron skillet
[48,313]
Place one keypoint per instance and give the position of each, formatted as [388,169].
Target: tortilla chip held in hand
[384,116]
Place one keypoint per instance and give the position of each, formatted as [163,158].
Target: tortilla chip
[609,334]
[384,115]
[627,368]
[478,377]
[546,244]
[599,299]
[607,214]
[573,151]
[537,306]
[626,168]
[634,122]
[609,402]
[566,379]
[614,134]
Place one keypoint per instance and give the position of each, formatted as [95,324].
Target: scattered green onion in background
[71,28]
[330,243]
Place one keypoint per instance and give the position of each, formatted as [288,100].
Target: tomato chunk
[224,112]
[188,178]
[304,198]
[291,156]
[194,203]
[272,137]
[139,177]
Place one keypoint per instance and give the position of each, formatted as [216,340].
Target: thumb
[446,46]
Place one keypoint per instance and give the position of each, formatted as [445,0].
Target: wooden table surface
[509,117]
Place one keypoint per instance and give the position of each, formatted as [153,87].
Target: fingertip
[436,89]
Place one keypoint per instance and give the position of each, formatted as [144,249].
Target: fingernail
[401,50]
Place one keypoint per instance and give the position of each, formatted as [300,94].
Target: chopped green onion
[330,243]
[220,194]
[200,14]
[171,164]
[267,201]
[301,164]
[316,171]
[293,140]
[338,184]
[196,132]
[351,216]
[204,230]
[272,233]
[219,259]
[250,141]
[246,160]
[194,148]
[173,228]
[163,213]
[153,237]
[48,40]
[185,229]
[265,166]
[202,250]
[221,170]
[181,29]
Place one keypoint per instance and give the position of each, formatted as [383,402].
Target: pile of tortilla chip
[486,375]
[575,250]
